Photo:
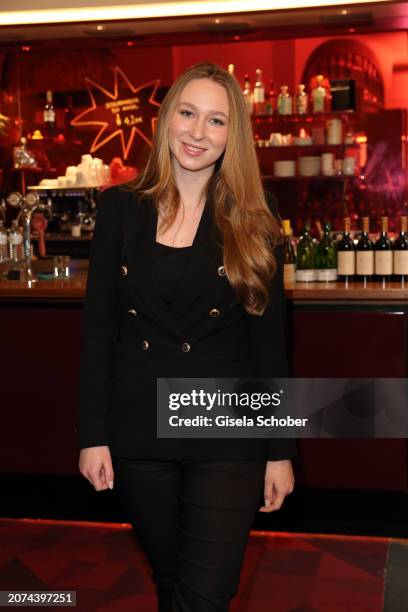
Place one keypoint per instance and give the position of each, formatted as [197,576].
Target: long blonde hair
[248,229]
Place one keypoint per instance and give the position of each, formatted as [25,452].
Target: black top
[170,264]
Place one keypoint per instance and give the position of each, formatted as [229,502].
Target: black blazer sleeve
[100,321]
[267,338]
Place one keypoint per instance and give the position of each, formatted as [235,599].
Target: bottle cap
[286,227]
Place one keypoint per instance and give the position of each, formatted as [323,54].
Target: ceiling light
[153,10]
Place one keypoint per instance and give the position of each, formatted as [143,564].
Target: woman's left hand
[279,482]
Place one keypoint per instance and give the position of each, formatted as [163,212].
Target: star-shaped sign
[126,112]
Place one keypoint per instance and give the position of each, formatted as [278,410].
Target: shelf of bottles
[299,136]
[345,257]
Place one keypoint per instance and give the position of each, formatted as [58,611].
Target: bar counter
[74,289]
[332,331]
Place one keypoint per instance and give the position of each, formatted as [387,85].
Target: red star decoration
[127,112]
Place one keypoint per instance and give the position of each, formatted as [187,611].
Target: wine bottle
[326,257]
[346,262]
[49,115]
[289,266]
[259,94]
[401,251]
[365,254]
[305,270]
[248,95]
[383,253]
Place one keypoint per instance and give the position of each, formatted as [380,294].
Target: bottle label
[346,263]
[330,274]
[289,273]
[383,263]
[365,263]
[3,239]
[259,95]
[318,101]
[401,262]
[49,116]
[305,276]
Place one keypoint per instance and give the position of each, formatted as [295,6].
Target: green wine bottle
[326,256]
[306,271]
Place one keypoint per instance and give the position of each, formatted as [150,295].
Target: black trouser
[192,519]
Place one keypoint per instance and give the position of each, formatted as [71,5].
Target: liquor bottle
[231,69]
[318,95]
[248,95]
[346,262]
[284,101]
[271,100]
[383,253]
[49,116]
[401,251]
[3,243]
[365,254]
[259,94]
[305,270]
[301,100]
[289,265]
[326,257]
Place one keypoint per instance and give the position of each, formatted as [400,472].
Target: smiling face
[198,129]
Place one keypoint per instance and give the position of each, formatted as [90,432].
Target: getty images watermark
[299,408]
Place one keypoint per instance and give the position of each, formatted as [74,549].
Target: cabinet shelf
[310,147]
[307,117]
[315,177]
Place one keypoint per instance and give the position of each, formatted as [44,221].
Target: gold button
[221,271]
[145,345]
[132,311]
[214,312]
[123,270]
[186,347]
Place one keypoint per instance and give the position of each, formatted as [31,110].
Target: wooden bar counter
[333,331]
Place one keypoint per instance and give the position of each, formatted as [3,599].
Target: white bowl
[284,168]
[309,165]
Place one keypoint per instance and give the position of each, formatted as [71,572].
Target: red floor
[282,572]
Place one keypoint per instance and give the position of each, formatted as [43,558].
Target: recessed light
[217,20]
[344,12]
[100,28]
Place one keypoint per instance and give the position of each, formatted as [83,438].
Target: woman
[183,282]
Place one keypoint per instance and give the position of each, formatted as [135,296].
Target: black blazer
[130,336]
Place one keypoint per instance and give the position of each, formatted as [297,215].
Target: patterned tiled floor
[282,572]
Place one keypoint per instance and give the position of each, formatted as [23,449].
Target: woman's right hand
[95,464]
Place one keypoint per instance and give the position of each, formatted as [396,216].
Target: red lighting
[237,37]
[130,43]
[352,30]
[26,48]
